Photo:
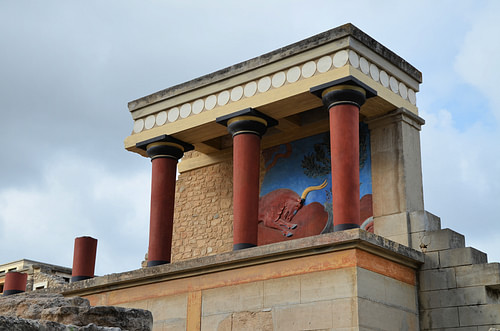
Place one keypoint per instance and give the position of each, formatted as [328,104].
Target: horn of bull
[309,189]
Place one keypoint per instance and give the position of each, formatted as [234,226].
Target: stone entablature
[278,84]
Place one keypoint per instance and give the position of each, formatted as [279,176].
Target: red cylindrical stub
[84,258]
[15,282]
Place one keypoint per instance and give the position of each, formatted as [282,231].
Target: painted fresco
[295,197]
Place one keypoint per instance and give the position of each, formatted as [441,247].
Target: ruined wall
[50,311]
[203,211]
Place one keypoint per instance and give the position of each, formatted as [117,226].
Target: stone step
[466,296]
[438,240]
[422,220]
[461,256]
[487,274]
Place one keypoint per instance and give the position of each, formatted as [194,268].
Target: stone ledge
[315,245]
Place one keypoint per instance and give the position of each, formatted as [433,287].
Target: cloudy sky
[68,69]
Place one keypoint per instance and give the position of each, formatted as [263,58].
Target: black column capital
[248,120]
[347,90]
[164,146]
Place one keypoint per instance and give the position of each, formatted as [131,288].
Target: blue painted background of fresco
[309,165]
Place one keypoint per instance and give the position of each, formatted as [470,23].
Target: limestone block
[476,295]
[376,287]
[234,298]
[327,285]
[439,318]
[478,274]
[480,314]
[282,291]
[169,309]
[440,279]
[310,316]
[170,325]
[391,225]
[461,256]
[439,240]
[345,314]
[422,220]
[431,261]
[218,322]
[377,316]
[257,321]
[396,164]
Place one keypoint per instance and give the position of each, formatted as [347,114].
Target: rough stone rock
[21,324]
[73,311]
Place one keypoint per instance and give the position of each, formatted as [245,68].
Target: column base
[10,292]
[345,226]
[237,247]
[157,262]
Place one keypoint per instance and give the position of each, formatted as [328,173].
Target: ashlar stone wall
[203,211]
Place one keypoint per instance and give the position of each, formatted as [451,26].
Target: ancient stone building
[298,204]
[40,275]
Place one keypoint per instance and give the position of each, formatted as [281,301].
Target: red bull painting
[295,196]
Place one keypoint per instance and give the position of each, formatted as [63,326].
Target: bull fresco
[295,197]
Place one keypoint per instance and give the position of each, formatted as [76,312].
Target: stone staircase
[458,288]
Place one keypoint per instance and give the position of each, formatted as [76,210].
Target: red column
[344,144]
[162,210]
[164,151]
[15,282]
[246,168]
[246,127]
[344,98]
[84,256]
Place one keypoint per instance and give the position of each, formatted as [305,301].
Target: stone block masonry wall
[203,211]
[459,290]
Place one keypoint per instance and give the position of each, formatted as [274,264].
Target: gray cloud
[68,69]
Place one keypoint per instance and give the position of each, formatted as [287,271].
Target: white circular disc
[293,74]
[403,91]
[364,65]
[278,79]
[324,64]
[138,125]
[198,106]
[150,122]
[250,89]
[384,78]
[223,98]
[340,58]
[394,84]
[374,73]
[161,118]
[264,84]
[308,69]
[412,96]
[236,93]
[173,114]
[210,102]
[353,59]
[185,110]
